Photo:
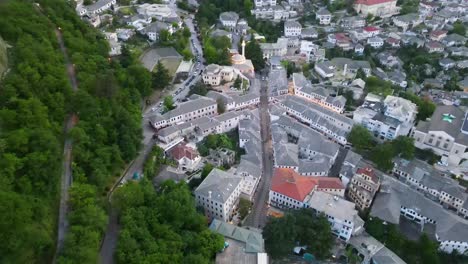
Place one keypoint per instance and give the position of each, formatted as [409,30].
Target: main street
[258,215]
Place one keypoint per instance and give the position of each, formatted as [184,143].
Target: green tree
[199,88]
[361,138]
[425,106]
[206,170]
[382,156]
[248,5]
[302,226]
[244,207]
[361,74]
[404,147]
[161,77]
[168,103]
[162,227]
[254,53]
[459,28]
[237,83]
[164,36]
[221,105]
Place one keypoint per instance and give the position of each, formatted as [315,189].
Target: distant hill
[3,57]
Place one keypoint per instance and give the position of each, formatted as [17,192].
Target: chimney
[209,194]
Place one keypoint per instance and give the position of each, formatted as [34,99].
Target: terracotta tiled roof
[291,184]
[373,2]
[182,150]
[437,33]
[369,172]
[329,183]
[370,29]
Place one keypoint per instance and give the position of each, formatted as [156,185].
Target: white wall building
[292,29]
[344,219]
[219,194]
[446,133]
[324,16]
[184,112]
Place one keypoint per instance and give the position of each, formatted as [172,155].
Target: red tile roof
[329,183]
[372,2]
[182,150]
[369,29]
[369,172]
[292,184]
[437,33]
[393,40]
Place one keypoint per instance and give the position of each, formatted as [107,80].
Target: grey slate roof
[253,240]
[394,194]
[229,16]
[184,108]
[286,154]
[221,184]
[437,123]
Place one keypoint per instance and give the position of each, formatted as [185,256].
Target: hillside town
[354,111]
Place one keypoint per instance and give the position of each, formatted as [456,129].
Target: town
[355,111]
[301,131]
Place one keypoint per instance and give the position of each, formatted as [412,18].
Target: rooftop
[332,205]
[449,119]
[291,184]
[219,185]
[253,240]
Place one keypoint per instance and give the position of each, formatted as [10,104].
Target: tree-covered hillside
[35,98]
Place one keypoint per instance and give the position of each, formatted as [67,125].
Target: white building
[402,109]
[317,94]
[214,74]
[375,42]
[407,21]
[280,48]
[292,29]
[154,29]
[311,51]
[380,8]
[229,19]
[291,190]
[324,16]
[96,8]
[186,157]
[397,199]
[330,123]
[344,219]
[187,111]
[219,194]
[262,3]
[158,11]
[446,133]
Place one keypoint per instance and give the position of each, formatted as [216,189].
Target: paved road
[112,231]
[67,177]
[258,216]
[335,169]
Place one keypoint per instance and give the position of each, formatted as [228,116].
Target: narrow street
[258,216]
[110,239]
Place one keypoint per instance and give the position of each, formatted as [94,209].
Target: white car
[153,109]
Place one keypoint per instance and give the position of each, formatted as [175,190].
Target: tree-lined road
[67,177]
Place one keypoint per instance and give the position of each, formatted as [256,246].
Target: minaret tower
[243,48]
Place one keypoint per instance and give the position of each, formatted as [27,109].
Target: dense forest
[35,98]
[163,226]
